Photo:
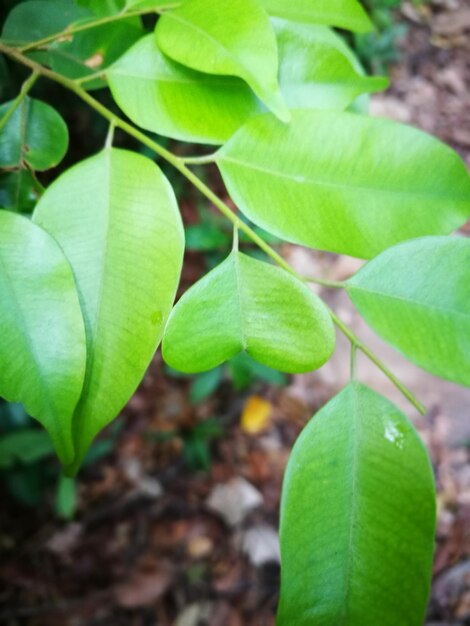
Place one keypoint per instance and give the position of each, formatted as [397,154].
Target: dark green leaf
[35,134]
[19,191]
[36,19]
[24,446]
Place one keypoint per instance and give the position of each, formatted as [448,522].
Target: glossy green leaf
[172,100]
[343,182]
[314,74]
[19,191]
[94,50]
[35,135]
[42,352]
[417,297]
[236,41]
[357,518]
[347,14]
[36,19]
[116,218]
[247,305]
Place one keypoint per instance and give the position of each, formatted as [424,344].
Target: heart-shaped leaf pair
[245,304]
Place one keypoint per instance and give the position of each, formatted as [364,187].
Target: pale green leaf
[357,518]
[237,41]
[344,182]
[417,297]
[315,73]
[248,305]
[35,135]
[36,19]
[172,100]
[42,352]
[116,218]
[347,14]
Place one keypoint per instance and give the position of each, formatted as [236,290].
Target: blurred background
[173,519]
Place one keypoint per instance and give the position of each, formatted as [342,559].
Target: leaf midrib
[322,183]
[409,301]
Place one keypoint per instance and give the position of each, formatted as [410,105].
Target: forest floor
[155,543]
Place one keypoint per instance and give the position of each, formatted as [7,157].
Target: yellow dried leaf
[256,415]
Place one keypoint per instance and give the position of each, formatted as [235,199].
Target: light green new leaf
[315,73]
[344,182]
[357,518]
[347,14]
[42,348]
[236,40]
[175,101]
[245,304]
[116,218]
[36,19]
[417,297]
[35,134]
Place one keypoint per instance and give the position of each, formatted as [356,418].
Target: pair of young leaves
[88,291]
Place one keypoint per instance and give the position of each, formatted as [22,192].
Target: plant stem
[25,89]
[199,160]
[179,164]
[359,345]
[78,28]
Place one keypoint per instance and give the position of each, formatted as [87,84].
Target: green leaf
[347,14]
[417,297]
[36,19]
[245,371]
[237,41]
[123,236]
[245,304]
[24,446]
[172,100]
[19,191]
[205,384]
[42,352]
[35,135]
[357,518]
[94,50]
[314,73]
[344,182]
[103,7]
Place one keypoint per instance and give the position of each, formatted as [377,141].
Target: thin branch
[179,164]
[80,27]
[25,89]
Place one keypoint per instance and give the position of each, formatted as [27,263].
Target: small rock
[234,500]
[261,545]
